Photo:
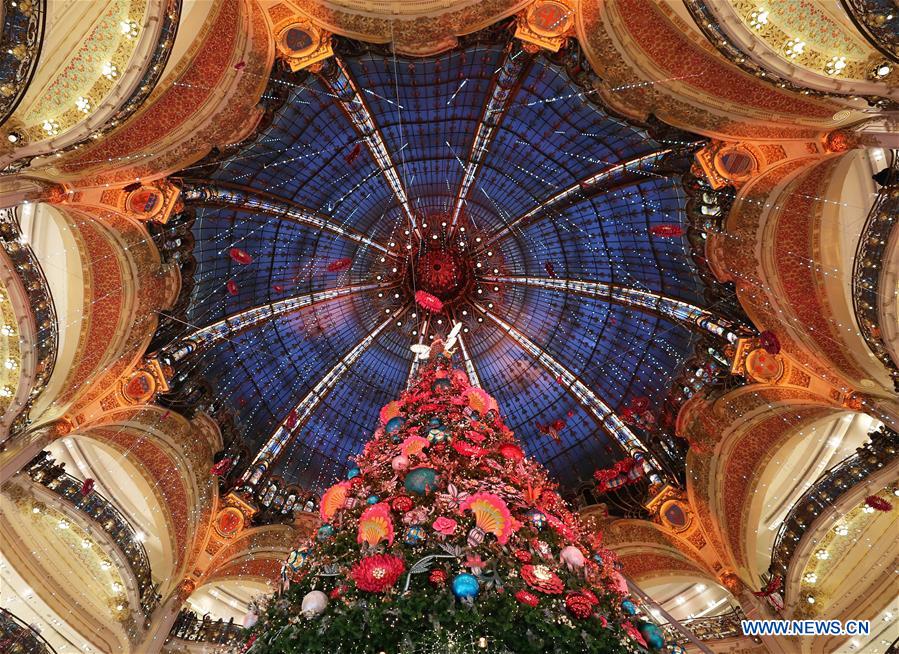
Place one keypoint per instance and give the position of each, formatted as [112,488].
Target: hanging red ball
[232,287]
[240,256]
[87,486]
[277,288]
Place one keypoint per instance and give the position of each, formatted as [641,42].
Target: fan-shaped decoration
[240,256]
[413,445]
[429,302]
[480,400]
[389,411]
[375,525]
[467,449]
[333,500]
[491,515]
[511,451]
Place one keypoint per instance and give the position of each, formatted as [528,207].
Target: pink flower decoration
[444,526]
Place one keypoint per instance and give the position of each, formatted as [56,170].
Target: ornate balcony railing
[851,471]
[878,21]
[16,637]
[713,627]
[20,49]
[45,471]
[38,290]
[190,626]
[705,19]
[867,269]
[164,41]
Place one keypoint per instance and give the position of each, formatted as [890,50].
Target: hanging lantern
[339,265]
[240,256]
[667,230]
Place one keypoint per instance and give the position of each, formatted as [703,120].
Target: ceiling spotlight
[881,70]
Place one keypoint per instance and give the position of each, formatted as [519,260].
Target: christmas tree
[446,537]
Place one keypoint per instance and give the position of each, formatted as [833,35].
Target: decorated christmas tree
[446,537]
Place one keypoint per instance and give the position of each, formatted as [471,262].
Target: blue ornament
[353,472]
[652,635]
[324,532]
[372,499]
[536,518]
[442,384]
[394,424]
[598,558]
[629,607]
[415,534]
[297,558]
[437,432]
[396,440]
[466,586]
[421,481]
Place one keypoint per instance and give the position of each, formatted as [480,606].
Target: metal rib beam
[291,425]
[341,84]
[505,87]
[467,361]
[584,186]
[222,195]
[602,413]
[689,315]
[208,336]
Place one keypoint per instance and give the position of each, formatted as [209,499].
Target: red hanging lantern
[339,265]
[427,301]
[240,256]
[232,287]
[550,269]
[667,230]
[277,288]
[87,486]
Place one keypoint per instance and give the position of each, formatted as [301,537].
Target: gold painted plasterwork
[10,355]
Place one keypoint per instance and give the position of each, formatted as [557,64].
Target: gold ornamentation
[547,24]
[301,43]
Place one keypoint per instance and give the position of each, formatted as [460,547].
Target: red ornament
[541,578]
[377,573]
[523,555]
[277,288]
[668,230]
[232,287]
[87,486]
[240,256]
[527,597]
[511,451]
[550,269]
[438,577]
[402,503]
[240,65]
[427,301]
[878,503]
[339,265]
[579,606]
[467,449]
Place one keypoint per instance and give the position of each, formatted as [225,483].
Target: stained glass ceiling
[491,178]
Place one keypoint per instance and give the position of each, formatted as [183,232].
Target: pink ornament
[399,463]
[444,526]
[572,557]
